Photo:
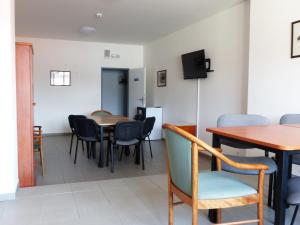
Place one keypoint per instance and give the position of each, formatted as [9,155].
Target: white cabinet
[143,112]
[156,133]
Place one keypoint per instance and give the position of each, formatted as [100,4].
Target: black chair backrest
[140,114]
[87,128]
[126,131]
[148,125]
[71,119]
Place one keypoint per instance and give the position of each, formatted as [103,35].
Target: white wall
[8,131]
[84,60]
[274,77]
[225,39]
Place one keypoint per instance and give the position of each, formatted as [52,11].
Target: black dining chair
[88,131]
[293,196]
[71,119]
[148,125]
[126,134]
[291,119]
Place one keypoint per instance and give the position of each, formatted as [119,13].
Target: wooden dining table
[283,140]
[106,121]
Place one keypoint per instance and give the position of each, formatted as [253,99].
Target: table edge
[273,146]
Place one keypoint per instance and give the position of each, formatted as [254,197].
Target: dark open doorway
[114,90]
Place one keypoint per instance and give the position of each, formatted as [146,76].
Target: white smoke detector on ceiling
[87,30]
[99,15]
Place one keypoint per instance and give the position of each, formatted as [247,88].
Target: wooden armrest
[217,153]
[202,146]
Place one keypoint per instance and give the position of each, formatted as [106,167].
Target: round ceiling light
[87,30]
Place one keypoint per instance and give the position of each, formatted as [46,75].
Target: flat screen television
[194,65]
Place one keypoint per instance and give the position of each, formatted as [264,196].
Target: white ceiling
[124,21]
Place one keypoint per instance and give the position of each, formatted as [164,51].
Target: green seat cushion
[36,145]
[219,185]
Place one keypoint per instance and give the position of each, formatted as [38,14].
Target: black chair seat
[127,143]
[293,197]
[296,159]
[89,139]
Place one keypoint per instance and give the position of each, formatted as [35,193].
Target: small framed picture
[60,78]
[295,50]
[162,78]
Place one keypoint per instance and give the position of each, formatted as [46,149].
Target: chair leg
[108,153]
[194,215]
[171,207]
[295,214]
[121,154]
[260,212]
[87,149]
[71,144]
[274,192]
[271,186]
[142,154]
[219,215]
[82,145]
[94,150]
[150,146]
[42,159]
[111,158]
[75,159]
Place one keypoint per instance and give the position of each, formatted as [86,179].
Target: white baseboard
[10,196]
[7,197]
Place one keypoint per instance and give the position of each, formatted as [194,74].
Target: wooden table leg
[212,213]
[281,187]
[101,153]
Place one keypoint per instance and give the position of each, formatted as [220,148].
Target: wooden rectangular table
[106,121]
[282,140]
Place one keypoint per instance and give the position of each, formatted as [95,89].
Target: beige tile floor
[83,194]
[127,201]
[59,166]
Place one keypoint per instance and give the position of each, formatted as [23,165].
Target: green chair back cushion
[179,151]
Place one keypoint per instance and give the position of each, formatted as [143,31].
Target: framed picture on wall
[60,78]
[162,78]
[295,50]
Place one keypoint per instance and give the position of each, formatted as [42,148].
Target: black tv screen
[194,65]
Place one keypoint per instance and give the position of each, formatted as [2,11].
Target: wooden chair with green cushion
[38,145]
[101,112]
[207,189]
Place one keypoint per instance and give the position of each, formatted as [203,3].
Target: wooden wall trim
[25,114]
